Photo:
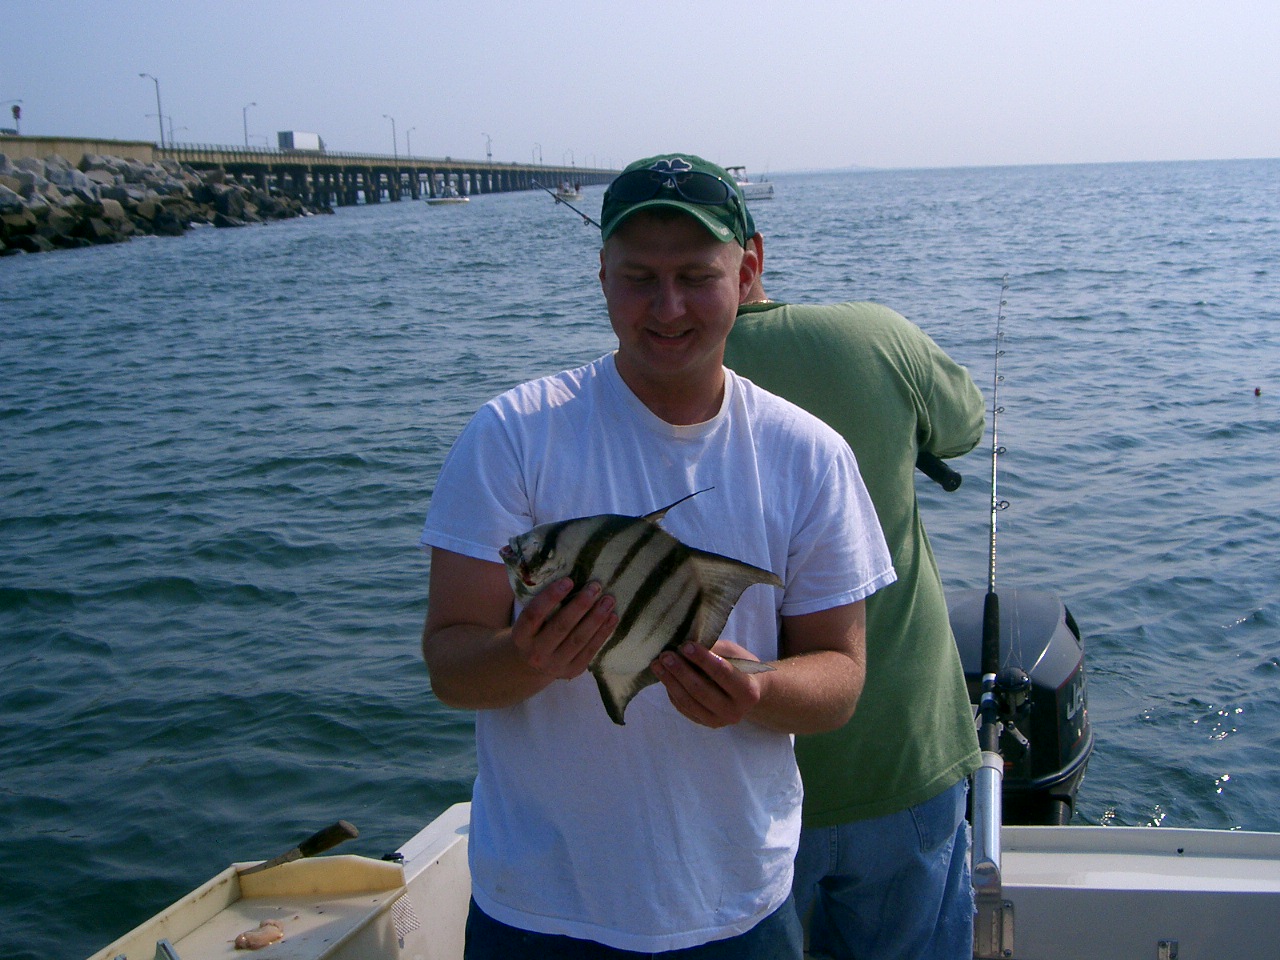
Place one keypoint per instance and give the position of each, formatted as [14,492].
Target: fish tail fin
[723,581]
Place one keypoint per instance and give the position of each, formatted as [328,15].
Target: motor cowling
[1041,695]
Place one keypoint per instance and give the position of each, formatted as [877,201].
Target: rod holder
[993,923]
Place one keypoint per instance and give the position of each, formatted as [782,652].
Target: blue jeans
[776,937]
[895,887]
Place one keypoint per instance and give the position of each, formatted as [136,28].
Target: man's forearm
[809,693]
[477,668]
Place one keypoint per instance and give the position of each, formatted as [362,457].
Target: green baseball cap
[681,181]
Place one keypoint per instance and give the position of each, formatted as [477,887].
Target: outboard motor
[1040,693]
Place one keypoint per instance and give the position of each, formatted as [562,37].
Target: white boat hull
[1086,892]
[330,908]
[1076,893]
[751,189]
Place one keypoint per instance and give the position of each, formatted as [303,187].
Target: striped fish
[665,592]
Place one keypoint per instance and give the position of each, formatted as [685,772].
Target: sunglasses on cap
[692,186]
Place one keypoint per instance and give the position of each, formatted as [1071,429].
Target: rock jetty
[49,204]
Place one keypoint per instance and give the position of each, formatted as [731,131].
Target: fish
[666,593]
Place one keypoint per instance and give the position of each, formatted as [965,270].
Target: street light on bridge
[395,143]
[159,111]
[244,115]
[17,113]
[488,147]
[539,148]
[408,150]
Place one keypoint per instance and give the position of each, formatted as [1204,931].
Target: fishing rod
[937,470]
[585,218]
[1000,699]
[991,607]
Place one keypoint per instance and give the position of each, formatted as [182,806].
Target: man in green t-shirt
[883,859]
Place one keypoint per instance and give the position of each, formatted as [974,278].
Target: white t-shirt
[660,834]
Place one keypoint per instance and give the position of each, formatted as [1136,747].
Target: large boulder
[88,194]
[97,230]
[38,204]
[62,174]
[173,217]
[134,172]
[105,178]
[30,183]
[230,201]
[31,243]
[171,188]
[168,224]
[129,194]
[10,199]
[112,210]
[148,209]
[17,223]
[59,223]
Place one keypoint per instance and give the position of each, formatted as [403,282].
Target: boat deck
[1141,892]
[1078,893]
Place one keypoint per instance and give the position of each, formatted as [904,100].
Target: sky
[777,86]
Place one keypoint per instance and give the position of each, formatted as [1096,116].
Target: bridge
[322,177]
[346,178]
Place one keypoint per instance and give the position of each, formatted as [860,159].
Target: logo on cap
[672,167]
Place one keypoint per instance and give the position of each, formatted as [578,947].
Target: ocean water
[218,451]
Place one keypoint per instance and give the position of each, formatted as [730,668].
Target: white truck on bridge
[299,140]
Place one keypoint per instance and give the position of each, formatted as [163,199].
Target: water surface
[218,451]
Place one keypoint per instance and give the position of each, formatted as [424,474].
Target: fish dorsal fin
[723,581]
[659,514]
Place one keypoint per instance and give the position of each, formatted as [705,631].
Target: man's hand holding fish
[561,641]
[818,694]
[481,659]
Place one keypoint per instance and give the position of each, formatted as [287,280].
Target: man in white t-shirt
[675,833]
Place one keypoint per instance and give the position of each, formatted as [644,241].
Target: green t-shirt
[889,390]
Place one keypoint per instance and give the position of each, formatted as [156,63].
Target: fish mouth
[511,557]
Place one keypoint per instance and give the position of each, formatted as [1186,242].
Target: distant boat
[751,189]
[447,192]
[568,191]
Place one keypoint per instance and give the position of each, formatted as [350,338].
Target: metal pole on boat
[993,924]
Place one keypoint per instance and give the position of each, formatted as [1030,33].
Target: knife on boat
[326,839]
